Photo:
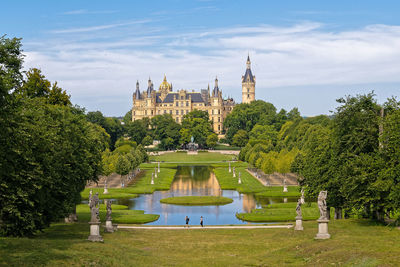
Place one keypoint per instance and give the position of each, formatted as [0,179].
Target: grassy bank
[197,200]
[280,212]
[277,191]
[142,185]
[353,242]
[113,193]
[183,157]
[120,214]
[227,181]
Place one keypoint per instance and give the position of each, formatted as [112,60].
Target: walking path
[286,226]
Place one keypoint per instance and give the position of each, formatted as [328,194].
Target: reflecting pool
[197,181]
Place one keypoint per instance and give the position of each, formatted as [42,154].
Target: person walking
[201,221]
[187,221]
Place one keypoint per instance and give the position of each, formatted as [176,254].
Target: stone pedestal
[285,188]
[323,230]
[192,152]
[299,224]
[105,191]
[109,227]
[95,232]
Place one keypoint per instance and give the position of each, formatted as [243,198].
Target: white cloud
[301,55]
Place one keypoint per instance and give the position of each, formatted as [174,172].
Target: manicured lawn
[197,200]
[112,193]
[227,181]
[277,191]
[353,243]
[143,184]
[182,157]
[280,212]
[120,214]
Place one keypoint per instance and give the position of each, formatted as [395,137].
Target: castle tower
[248,84]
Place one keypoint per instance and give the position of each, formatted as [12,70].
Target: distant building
[150,103]
[248,84]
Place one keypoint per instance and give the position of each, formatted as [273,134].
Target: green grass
[113,193]
[143,184]
[120,214]
[183,157]
[222,147]
[228,182]
[353,243]
[197,200]
[280,212]
[277,191]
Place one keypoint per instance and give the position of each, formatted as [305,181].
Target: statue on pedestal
[299,218]
[322,205]
[94,208]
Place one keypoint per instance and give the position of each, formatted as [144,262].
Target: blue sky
[304,54]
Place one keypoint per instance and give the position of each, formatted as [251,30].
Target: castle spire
[216,89]
[248,63]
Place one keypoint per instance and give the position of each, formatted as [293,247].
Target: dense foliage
[48,149]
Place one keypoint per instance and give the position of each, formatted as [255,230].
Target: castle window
[212,112]
[165,112]
[187,103]
[219,127]
[177,112]
[151,112]
[170,112]
[187,111]
[219,111]
[177,103]
[248,96]
[219,119]
[248,90]
[177,119]
[159,112]
[181,111]
[134,113]
[145,112]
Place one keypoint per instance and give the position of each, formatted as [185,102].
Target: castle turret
[137,92]
[248,84]
[216,89]
[149,87]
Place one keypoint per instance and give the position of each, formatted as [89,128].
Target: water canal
[197,181]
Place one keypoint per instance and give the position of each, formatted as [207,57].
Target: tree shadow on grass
[49,245]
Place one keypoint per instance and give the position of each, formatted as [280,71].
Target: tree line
[163,128]
[353,154]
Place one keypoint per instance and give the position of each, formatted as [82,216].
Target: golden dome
[165,86]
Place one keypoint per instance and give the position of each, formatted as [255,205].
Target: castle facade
[150,102]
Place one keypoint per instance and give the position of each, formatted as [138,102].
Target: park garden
[51,169]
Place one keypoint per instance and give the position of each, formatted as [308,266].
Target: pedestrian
[201,221]
[187,221]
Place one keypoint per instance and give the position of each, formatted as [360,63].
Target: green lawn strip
[197,200]
[353,243]
[112,193]
[120,214]
[277,191]
[143,184]
[228,182]
[280,212]
[184,157]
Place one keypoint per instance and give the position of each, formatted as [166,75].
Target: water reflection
[197,181]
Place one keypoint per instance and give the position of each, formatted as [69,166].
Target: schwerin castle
[150,103]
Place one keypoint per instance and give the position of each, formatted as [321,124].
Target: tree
[240,139]
[212,140]
[36,85]
[53,153]
[164,126]
[127,117]
[112,125]
[245,116]
[123,165]
[147,140]
[136,131]
[198,125]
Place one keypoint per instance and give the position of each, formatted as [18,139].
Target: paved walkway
[287,226]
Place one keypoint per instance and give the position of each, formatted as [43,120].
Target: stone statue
[191,139]
[94,208]
[90,196]
[108,207]
[285,189]
[302,196]
[298,208]
[322,205]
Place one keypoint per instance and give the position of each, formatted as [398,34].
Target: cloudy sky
[304,54]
